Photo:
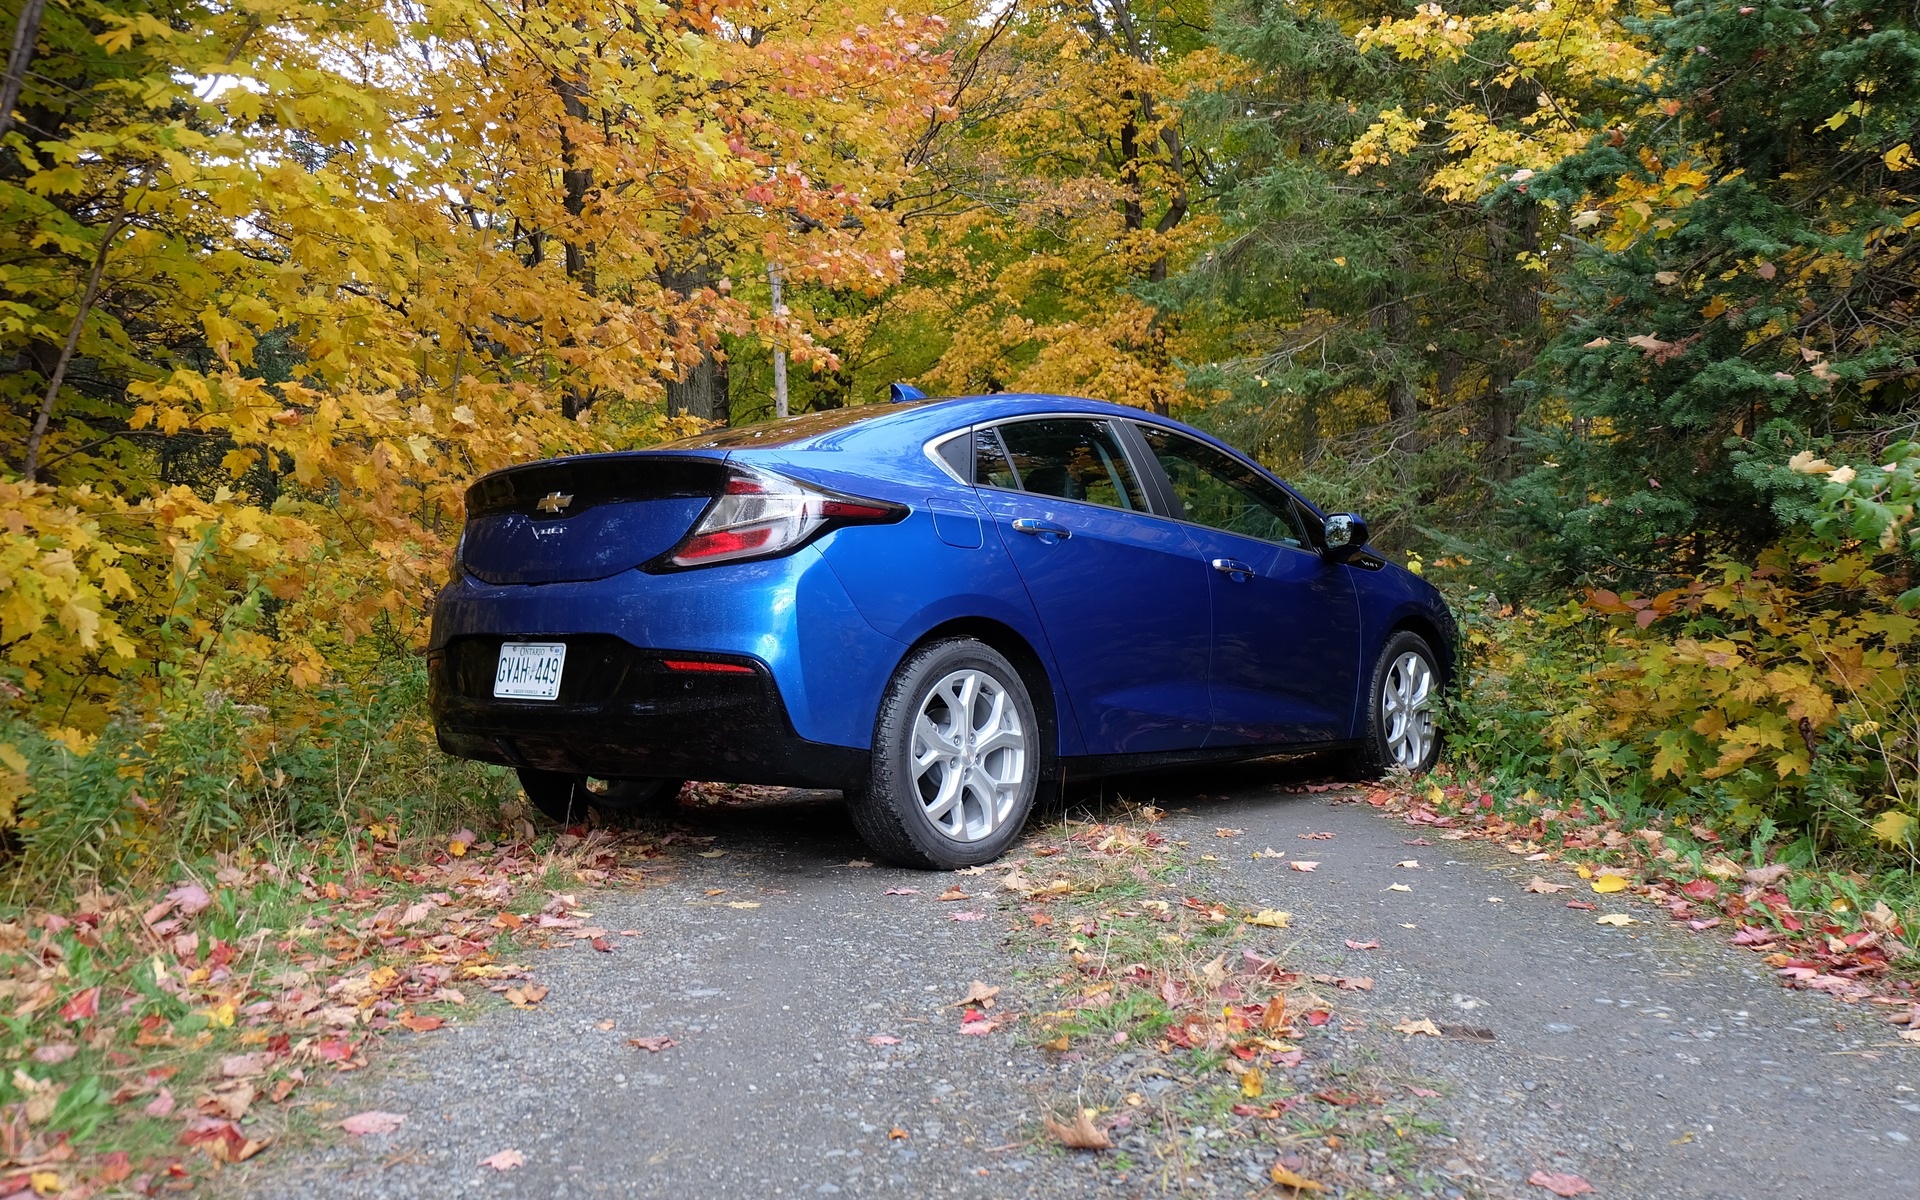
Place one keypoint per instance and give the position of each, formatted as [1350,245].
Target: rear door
[1122,598]
[1286,621]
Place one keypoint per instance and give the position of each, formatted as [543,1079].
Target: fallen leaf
[190,898]
[1615,919]
[897,1134]
[653,1044]
[1410,1027]
[903,891]
[978,993]
[1253,1081]
[238,1066]
[82,1007]
[1537,884]
[1271,918]
[55,1053]
[361,1124]
[743,904]
[954,893]
[1767,876]
[1302,865]
[967,916]
[1058,1045]
[526,997]
[1353,945]
[602,945]
[1560,1185]
[506,1160]
[1299,1183]
[420,1024]
[858,862]
[1411,862]
[1225,833]
[1496,899]
[1083,1134]
[1580,904]
[1355,983]
[222,1140]
[1423,1093]
[883,1039]
[161,1105]
[1398,887]
[1608,884]
[713,854]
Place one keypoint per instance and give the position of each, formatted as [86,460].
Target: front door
[1122,599]
[1286,621]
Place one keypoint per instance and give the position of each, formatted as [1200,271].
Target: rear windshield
[793,429]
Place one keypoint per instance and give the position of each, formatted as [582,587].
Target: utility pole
[779,351]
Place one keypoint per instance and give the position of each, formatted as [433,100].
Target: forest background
[1602,312]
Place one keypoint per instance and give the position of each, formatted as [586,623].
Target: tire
[569,799]
[1406,675]
[934,799]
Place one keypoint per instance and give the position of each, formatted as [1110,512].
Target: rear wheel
[1404,691]
[568,798]
[956,759]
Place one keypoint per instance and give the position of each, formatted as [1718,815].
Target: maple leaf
[505,1160]
[978,993]
[1287,1178]
[653,1044]
[1537,884]
[1412,1026]
[954,893]
[1560,1185]
[1300,865]
[1080,1133]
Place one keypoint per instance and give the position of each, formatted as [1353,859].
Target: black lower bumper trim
[640,719]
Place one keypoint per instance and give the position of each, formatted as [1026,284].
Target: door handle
[1233,568]
[1046,531]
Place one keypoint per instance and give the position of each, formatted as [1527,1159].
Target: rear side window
[1220,492]
[1071,458]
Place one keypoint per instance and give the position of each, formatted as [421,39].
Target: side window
[990,466]
[1218,491]
[1070,458]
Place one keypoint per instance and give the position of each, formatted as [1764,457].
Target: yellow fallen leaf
[1410,1027]
[457,848]
[221,1015]
[1608,884]
[1615,919]
[1584,871]
[743,904]
[1252,1083]
[45,1183]
[1272,919]
[1058,1045]
[1298,1183]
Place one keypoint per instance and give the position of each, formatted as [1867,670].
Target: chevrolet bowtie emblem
[554,502]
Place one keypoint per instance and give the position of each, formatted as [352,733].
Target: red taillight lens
[702,666]
[760,514]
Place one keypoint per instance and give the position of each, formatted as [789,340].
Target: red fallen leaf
[602,945]
[1247,1110]
[1353,945]
[421,1024]
[1561,1185]
[1288,1058]
[222,1140]
[653,1044]
[361,1124]
[1698,926]
[161,1105]
[116,1167]
[333,1049]
[883,1040]
[1702,890]
[83,1007]
[1580,904]
[1318,1017]
[1339,1098]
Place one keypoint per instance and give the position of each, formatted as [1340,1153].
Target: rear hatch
[584,518]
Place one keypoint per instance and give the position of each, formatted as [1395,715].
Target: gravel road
[1651,1061]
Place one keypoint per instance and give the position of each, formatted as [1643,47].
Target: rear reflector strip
[714,668]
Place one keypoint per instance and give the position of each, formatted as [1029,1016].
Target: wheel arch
[1429,632]
[1041,688]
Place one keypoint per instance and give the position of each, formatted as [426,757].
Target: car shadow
[810,829]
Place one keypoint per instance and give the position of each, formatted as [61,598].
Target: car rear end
[656,614]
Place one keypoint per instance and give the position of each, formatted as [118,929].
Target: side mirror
[1345,533]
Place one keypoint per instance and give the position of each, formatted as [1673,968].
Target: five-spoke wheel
[956,759]
[1400,730]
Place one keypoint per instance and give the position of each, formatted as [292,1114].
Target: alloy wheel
[969,755]
[1406,710]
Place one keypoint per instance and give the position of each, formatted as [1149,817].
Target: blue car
[941,607]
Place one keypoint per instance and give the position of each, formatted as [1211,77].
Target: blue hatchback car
[941,607]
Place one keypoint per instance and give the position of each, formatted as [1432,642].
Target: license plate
[529,670]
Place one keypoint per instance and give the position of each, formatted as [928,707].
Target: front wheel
[956,759]
[568,798]
[1400,732]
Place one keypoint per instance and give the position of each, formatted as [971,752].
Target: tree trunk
[702,388]
[1513,229]
[26,32]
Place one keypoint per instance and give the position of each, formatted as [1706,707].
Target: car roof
[830,428]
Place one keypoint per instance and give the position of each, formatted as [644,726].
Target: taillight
[762,515]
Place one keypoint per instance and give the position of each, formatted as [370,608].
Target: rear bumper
[623,713]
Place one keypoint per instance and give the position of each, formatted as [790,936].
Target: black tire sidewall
[888,811]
